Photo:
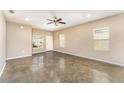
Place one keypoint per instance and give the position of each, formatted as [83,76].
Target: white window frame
[62,40]
[42,42]
[101,37]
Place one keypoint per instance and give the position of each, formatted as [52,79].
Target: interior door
[49,43]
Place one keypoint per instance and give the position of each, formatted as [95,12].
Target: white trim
[92,58]
[18,57]
[1,72]
[27,55]
[42,51]
[106,61]
[38,52]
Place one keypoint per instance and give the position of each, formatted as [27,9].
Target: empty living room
[61,46]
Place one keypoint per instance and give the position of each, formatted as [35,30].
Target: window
[38,41]
[101,39]
[62,40]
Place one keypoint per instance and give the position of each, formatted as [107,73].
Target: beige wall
[19,41]
[43,33]
[2,41]
[79,40]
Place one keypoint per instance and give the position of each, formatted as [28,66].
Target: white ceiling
[37,18]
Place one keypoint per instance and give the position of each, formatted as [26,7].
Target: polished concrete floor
[55,67]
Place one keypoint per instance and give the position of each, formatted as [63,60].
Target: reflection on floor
[59,68]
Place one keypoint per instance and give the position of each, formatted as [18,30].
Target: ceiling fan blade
[49,20]
[50,23]
[59,19]
[11,11]
[62,22]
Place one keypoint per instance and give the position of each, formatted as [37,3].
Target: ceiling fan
[56,21]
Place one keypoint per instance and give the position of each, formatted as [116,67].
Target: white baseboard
[27,55]
[38,52]
[106,61]
[1,72]
[41,51]
[18,57]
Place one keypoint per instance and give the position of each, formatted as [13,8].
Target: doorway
[49,43]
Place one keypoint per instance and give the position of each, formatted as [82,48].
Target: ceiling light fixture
[89,15]
[27,19]
[21,27]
